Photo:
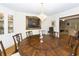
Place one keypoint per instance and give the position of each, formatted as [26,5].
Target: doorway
[69,26]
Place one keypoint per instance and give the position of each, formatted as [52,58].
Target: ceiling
[36,8]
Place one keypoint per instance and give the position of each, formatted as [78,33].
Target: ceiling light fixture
[42,15]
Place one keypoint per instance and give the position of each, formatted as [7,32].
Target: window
[1,23]
[10,24]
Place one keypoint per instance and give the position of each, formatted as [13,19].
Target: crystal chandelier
[42,16]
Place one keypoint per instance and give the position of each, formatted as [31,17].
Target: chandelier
[42,16]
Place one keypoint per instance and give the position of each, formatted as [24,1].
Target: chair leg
[0,53]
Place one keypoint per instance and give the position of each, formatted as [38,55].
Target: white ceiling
[49,8]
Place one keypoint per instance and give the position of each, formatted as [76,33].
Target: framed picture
[32,22]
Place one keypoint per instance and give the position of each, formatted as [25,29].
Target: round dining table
[46,46]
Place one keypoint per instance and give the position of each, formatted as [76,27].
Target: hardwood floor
[50,47]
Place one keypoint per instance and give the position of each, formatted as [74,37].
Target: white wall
[62,14]
[20,23]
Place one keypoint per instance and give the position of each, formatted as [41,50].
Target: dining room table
[45,46]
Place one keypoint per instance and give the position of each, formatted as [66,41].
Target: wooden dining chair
[74,46]
[17,39]
[27,35]
[42,32]
[2,50]
[30,33]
